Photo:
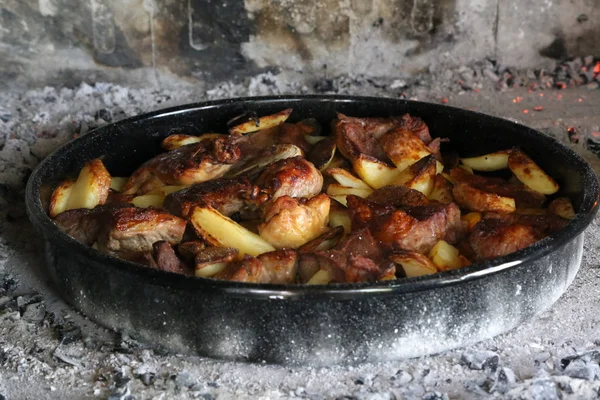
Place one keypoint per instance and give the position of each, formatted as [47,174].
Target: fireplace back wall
[171,42]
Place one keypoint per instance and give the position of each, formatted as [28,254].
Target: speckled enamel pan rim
[588,209]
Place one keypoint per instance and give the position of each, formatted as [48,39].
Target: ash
[48,350]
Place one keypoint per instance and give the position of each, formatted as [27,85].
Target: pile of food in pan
[361,200]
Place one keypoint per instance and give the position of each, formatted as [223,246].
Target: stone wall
[165,42]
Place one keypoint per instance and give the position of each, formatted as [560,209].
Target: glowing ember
[572,133]
[597,68]
[538,108]
[580,99]
[541,94]
[517,99]
[559,96]
[525,111]
[445,100]
[596,134]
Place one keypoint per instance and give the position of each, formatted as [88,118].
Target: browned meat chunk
[81,224]
[84,225]
[493,238]
[356,136]
[186,165]
[358,258]
[545,224]
[167,260]
[523,196]
[227,196]
[294,177]
[398,196]
[130,230]
[276,267]
[416,228]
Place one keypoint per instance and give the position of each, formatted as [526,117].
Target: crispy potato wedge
[403,147]
[219,230]
[149,200]
[91,187]
[442,190]
[375,173]
[445,256]
[117,183]
[312,140]
[414,264]
[338,190]
[210,270]
[338,216]
[60,197]
[471,219]
[528,172]
[418,176]
[176,141]
[562,207]
[322,277]
[488,162]
[439,167]
[466,168]
[341,198]
[265,122]
[166,190]
[477,200]
[345,178]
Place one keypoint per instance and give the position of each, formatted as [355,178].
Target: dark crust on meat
[167,260]
[493,238]
[398,196]
[295,177]
[127,217]
[224,195]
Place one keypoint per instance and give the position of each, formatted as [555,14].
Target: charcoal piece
[324,85]
[34,312]
[593,146]
[503,381]
[68,333]
[120,379]
[104,114]
[184,379]
[435,396]
[480,359]
[7,284]
[147,378]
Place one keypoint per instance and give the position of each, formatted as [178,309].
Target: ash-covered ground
[48,350]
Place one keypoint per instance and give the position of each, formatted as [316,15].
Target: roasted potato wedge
[60,197]
[338,216]
[91,187]
[403,148]
[414,264]
[562,207]
[322,277]
[219,230]
[149,200]
[488,162]
[375,173]
[165,190]
[323,154]
[418,176]
[445,256]
[442,190]
[477,200]
[312,140]
[117,183]
[210,270]
[345,178]
[338,190]
[265,122]
[471,219]
[176,141]
[528,172]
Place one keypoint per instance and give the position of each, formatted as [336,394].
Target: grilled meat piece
[167,260]
[523,196]
[188,250]
[398,196]
[493,238]
[294,177]
[357,258]
[277,267]
[545,224]
[355,136]
[288,223]
[83,224]
[129,230]
[416,228]
[186,165]
[227,196]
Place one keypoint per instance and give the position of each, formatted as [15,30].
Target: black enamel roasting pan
[342,323]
